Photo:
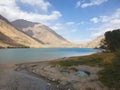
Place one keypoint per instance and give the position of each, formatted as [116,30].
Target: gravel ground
[44,76]
[58,79]
[13,80]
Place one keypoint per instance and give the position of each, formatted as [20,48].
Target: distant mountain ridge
[40,32]
[94,43]
[22,33]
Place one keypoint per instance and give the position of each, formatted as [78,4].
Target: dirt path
[13,80]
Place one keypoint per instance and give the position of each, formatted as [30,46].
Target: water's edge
[28,55]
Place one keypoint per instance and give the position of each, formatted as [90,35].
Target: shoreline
[56,59]
[40,57]
[56,78]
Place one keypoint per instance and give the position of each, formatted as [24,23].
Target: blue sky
[78,21]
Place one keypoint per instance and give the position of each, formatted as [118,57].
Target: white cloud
[70,23]
[94,20]
[7,2]
[10,10]
[57,26]
[78,4]
[42,4]
[115,21]
[108,23]
[91,3]
[81,23]
[74,30]
[104,18]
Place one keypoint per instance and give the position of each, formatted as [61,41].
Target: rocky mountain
[94,43]
[41,33]
[11,37]
[22,33]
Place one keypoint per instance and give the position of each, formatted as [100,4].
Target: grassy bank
[100,59]
[109,76]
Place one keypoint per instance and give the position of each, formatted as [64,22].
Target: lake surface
[32,54]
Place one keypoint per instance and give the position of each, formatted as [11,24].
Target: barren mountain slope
[40,32]
[94,43]
[11,37]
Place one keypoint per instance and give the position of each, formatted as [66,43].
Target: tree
[112,40]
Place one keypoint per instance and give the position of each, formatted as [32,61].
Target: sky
[78,21]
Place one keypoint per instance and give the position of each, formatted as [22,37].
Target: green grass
[91,60]
[110,76]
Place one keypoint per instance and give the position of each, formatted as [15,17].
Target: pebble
[53,79]
[57,86]
[49,84]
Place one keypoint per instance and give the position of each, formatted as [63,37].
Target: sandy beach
[45,76]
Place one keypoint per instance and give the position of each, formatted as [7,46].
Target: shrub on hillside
[112,40]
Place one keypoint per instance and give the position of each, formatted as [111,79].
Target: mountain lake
[41,54]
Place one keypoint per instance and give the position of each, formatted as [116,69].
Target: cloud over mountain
[12,11]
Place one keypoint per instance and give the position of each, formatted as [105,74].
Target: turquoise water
[32,54]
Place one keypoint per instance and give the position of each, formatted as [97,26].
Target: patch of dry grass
[99,59]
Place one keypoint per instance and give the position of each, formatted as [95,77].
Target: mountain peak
[40,32]
[21,23]
[12,37]
[4,19]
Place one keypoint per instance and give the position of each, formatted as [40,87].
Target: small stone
[49,84]
[53,79]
